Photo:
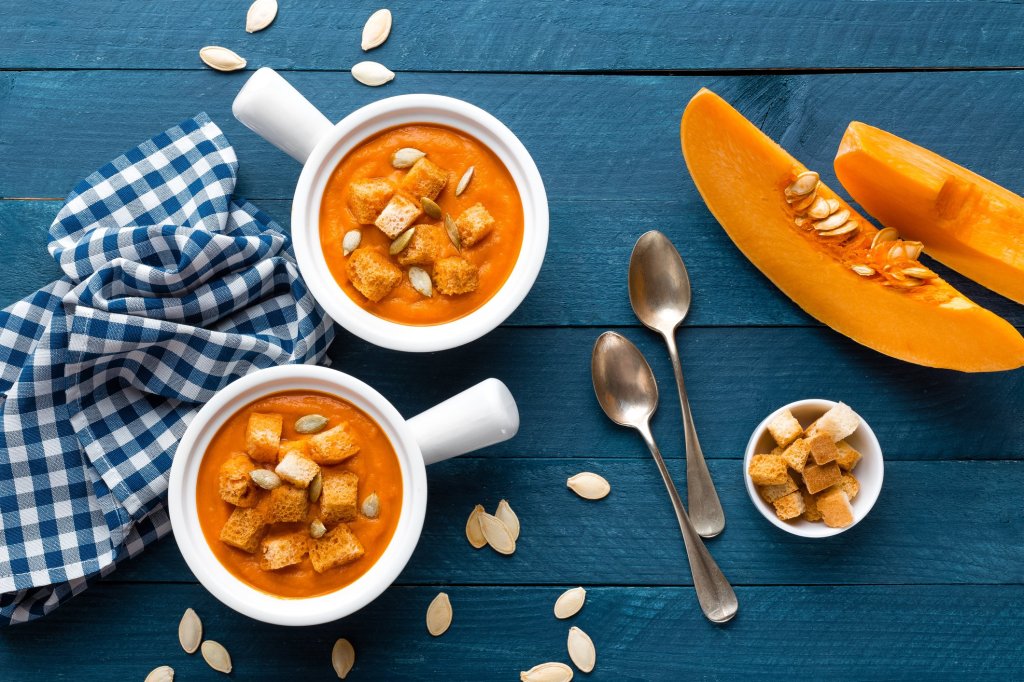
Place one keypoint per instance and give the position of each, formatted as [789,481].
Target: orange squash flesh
[742,174]
[968,222]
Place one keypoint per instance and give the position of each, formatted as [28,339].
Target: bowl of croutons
[813,468]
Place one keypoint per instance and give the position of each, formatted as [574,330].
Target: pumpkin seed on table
[311,423]
[316,486]
[350,242]
[164,673]
[260,15]
[190,631]
[581,649]
[317,529]
[453,231]
[570,602]
[497,534]
[216,656]
[343,657]
[401,241]
[474,533]
[420,281]
[439,615]
[221,58]
[547,672]
[430,208]
[589,485]
[265,478]
[505,514]
[372,74]
[371,506]
[376,30]
[464,181]
[406,157]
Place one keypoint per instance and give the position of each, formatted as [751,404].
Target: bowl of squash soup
[298,493]
[420,222]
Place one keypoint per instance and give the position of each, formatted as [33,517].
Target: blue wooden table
[930,585]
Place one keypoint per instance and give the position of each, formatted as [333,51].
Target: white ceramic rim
[367,122]
[184,515]
[865,499]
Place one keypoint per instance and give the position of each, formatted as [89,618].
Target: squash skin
[969,223]
[741,174]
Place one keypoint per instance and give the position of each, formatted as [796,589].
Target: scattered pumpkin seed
[453,231]
[221,58]
[372,74]
[505,514]
[406,157]
[190,631]
[376,30]
[317,529]
[833,221]
[164,673]
[420,281]
[311,423]
[886,234]
[343,657]
[570,602]
[804,184]
[430,208]
[863,270]
[589,485]
[216,656]
[260,15]
[265,478]
[474,533]
[371,506]
[401,241]
[497,534]
[316,486]
[439,615]
[547,672]
[819,209]
[581,649]
[464,181]
[351,242]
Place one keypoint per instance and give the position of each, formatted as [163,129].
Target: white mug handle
[479,416]
[272,108]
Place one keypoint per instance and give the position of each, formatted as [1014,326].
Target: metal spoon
[628,394]
[659,291]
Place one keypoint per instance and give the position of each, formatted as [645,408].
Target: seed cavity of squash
[439,615]
[343,657]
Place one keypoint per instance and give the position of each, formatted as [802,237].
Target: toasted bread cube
[790,506]
[768,470]
[770,493]
[299,447]
[849,485]
[817,477]
[474,224]
[847,457]
[397,216]
[429,243]
[367,198]
[811,512]
[297,470]
[285,550]
[263,436]
[424,179]
[244,529]
[333,445]
[796,454]
[823,449]
[339,546]
[234,485]
[456,275]
[372,273]
[834,506]
[785,428]
[777,450]
[339,498]
[839,422]
[287,504]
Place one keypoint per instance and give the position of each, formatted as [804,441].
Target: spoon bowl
[623,381]
[659,285]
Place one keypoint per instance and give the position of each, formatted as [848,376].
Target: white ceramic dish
[271,107]
[480,416]
[869,471]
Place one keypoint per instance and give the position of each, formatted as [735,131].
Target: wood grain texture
[545,35]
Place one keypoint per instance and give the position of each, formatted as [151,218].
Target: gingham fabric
[172,289]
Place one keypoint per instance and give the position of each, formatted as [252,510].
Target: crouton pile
[809,474]
[292,499]
[437,246]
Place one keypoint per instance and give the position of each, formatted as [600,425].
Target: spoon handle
[705,507]
[715,594]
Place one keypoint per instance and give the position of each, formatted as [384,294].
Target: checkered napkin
[172,289]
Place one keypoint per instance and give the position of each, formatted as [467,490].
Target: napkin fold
[172,289]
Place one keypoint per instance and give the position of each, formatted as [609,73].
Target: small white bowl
[869,471]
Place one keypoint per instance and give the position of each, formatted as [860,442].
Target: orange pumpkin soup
[260,473]
[424,256]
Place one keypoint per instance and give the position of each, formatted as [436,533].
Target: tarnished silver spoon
[628,394]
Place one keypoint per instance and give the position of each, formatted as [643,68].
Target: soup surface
[375,464]
[488,215]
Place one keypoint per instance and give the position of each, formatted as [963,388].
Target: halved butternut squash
[970,223]
[862,282]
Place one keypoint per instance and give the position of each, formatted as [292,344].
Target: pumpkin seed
[216,656]
[311,423]
[833,221]
[343,657]
[420,281]
[406,157]
[439,615]
[315,487]
[913,249]
[581,649]
[376,30]
[803,204]
[846,228]
[497,534]
[372,74]
[474,533]
[505,514]
[919,271]
[819,209]
[802,222]
[833,205]
[886,234]
[190,631]
[547,672]
[351,242]
[401,241]
[221,58]
[265,478]
[570,602]
[589,485]
[863,270]
[464,181]
[317,529]
[260,15]
[804,184]
[371,506]
[430,208]
[164,673]
[453,231]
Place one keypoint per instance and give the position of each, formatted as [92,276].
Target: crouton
[839,422]
[777,450]
[284,550]
[455,275]
[770,493]
[811,512]
[299,447]
[790,506]
[796,454]
[474,224]
[244,529]
[397,216]
[372,273]
[367,198]
[263,436]
[785,428]
[424,179]
[429,243]
[768,470]
[823,449]
[849,485]
[287,504]
[235,486]
[297,470]
[847,457]
[333,445]
[339,546]
[338,498]
[835,508]
[817,477]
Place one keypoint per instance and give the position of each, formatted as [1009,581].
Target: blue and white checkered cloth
[172,290]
